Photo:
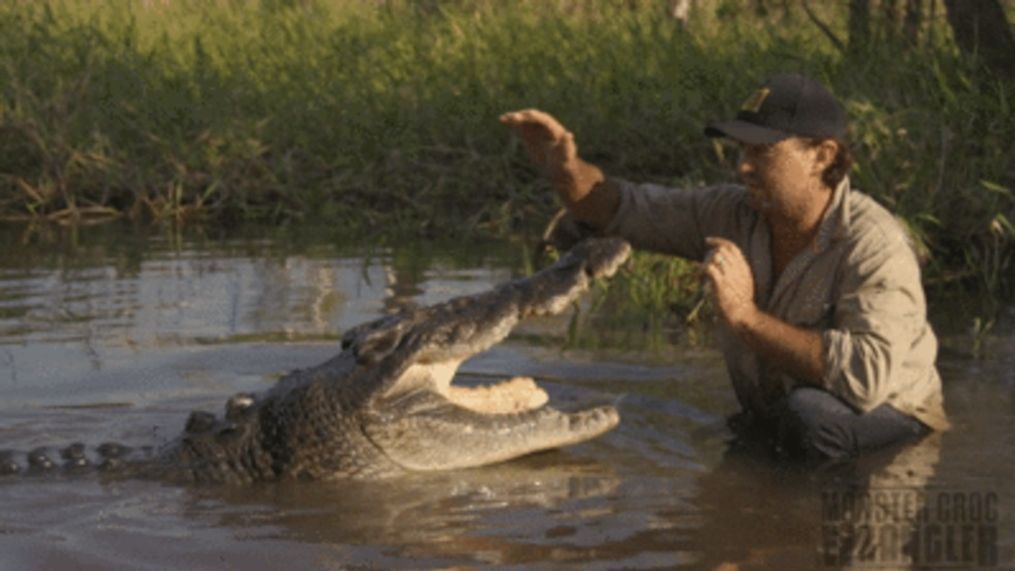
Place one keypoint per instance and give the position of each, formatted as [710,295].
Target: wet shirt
[858,284]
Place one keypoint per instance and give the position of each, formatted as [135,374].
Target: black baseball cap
[787,105]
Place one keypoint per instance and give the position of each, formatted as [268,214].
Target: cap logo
[753,103]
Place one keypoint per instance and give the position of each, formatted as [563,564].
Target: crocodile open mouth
[424,420]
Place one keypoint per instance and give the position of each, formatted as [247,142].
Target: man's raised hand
[549,145]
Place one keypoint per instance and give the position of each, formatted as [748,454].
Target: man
[823,320]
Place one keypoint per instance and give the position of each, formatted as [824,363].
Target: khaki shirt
[859,285]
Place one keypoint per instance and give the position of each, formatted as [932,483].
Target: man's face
[779,176]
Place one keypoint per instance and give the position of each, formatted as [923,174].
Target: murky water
[112,334]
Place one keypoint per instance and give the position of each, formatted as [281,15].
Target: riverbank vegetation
[382,116]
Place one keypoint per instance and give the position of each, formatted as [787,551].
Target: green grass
[383,115]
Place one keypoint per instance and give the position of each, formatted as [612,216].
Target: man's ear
[825,153]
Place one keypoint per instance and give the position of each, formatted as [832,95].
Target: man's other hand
[732,282]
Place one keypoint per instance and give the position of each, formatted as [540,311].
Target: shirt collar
[835,224]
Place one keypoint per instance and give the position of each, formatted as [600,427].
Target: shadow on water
[118,334]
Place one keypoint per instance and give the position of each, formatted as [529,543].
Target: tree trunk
[981,28]
[859,24]
[890,10]
[913,21]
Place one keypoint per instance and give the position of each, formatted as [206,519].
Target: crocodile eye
[376,345]
[238,405]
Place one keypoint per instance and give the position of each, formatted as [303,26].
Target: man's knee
[814,426]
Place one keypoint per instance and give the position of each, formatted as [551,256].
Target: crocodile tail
[73,459]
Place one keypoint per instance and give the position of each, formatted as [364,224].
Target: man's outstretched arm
[582,186]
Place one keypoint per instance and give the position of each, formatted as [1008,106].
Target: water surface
[116,334]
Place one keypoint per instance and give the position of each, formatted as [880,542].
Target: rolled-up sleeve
[677,220]
[879,319]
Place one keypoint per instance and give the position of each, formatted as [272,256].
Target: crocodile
[385,404]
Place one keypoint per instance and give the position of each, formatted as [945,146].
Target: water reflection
[537,509]
[846,515]
[151,290]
